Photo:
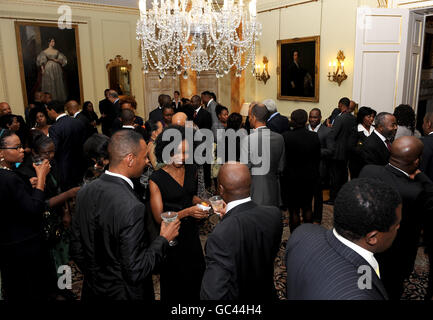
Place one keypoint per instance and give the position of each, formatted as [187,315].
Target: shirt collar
[367,255]
[430,133]
[116,100]
[261,127]
[273,115]
[209,102]
[231,205]
[61,116]
[380,135]
[121,177]
[407,175]
[128,127]
[76,113]
[366,132]
[316,129]
[198,109]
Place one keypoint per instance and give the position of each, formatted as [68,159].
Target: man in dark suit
[240,251]
[110,240]
[104,107]
[156,115]
[68,135]
[416,191]
[127,117]
[263,151]
[202,117]
[315,125]
[131,104]
[339,264]
[340,141]
[276,122]
[73,109]
[301,172]
[377,146]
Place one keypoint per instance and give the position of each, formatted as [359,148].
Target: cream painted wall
[104,33]
[334,21]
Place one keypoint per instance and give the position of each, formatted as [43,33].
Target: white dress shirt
[231,205]
[367,255]
[430,133]
[76,113]
[128,127]
[61,116]
[407,174]
[261,127]
[316,129]
[366,132]
[273,115]
[209,102]
[121,177]
[198,109]
[381,138]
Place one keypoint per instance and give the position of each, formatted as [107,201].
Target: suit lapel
[355,259]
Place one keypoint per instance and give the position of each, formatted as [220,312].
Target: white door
[381,52]
[415,45]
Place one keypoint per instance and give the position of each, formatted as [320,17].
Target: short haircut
[96,147]
[7,120]
[184,100]
[167,106]
[405,116]
[122,143]
[188,109]
[344,101]
[57,106]
[113,94]
[365,205]
[299,118]
[105,91]
[4,134]
[234,121]
[363,112]
[194,98]
[160,144]
[380,119]
[166,101]
[213,95]
[129,100]
[260,112]
[270,105]
[219,108]
[207,93]
[127,116]
[318,110]
[177,92]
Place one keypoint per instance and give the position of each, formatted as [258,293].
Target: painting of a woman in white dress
[51,61]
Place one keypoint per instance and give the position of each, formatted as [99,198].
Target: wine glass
[217,204]
[169,217]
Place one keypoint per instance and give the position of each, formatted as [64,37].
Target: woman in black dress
[24,260]
[174,188]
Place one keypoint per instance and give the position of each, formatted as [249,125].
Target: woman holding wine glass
[174,188]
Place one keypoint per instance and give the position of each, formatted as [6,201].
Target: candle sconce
[337,74]
[264,76]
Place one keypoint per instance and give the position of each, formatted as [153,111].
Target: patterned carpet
[415,286]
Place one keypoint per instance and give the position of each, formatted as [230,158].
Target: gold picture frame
[299,81]
[32,45]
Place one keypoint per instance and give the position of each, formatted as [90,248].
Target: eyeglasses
[20,146]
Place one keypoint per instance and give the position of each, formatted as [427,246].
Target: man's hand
[170,230]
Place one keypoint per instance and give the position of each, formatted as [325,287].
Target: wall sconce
[264,76]
[336,67]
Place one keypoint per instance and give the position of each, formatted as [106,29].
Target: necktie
[388,144]
[195,114]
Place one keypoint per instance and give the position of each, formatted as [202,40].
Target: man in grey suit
[339,264]
[263,150]
[211,104]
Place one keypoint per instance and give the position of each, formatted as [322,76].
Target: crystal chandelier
[178,36]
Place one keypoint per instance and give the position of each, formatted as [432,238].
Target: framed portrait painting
[298,69]
[49,60]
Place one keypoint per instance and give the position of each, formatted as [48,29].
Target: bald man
[240,251]
[179,119]
[116,254]
[5,109]
[416,191]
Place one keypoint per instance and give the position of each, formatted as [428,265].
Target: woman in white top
[365,118]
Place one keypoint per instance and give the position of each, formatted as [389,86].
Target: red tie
[195,114]
[388,144]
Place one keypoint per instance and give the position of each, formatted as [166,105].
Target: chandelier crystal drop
[181,35]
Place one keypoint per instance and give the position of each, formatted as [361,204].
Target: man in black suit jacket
[131,104]
[202,117]
[68,135]
[339,264]
[314,119]
[156,115]
[104,107]
[240,251]
[416,190]
[110,240]
[377,146]
[73,109]
[23,131]
[340,141]
[301,172]
[276,122]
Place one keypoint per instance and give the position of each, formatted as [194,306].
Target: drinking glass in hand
[37,160]
[168,217]
[217,204]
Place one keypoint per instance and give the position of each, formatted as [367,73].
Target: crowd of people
[70,193]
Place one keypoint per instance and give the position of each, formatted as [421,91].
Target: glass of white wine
[217,204]
[169,217]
